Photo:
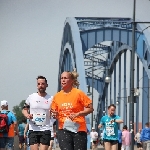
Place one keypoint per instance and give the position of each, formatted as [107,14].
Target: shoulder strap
[7,112]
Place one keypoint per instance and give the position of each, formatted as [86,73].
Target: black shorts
[112,142]
[42,137]
[52,138]
[139,145]
[72,141]
[95,142]
[22,139]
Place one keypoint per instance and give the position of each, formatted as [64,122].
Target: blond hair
[74,75]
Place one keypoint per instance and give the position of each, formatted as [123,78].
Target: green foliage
[18,111]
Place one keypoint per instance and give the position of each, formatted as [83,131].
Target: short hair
[24,120]
[125,127]
[41,77]
[147,124]
[112,105]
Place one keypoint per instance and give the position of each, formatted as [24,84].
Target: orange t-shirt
[67,103]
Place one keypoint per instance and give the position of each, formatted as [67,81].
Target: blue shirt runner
[111,129]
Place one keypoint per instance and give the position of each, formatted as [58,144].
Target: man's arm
[100,126]
[16,127]
[101,123]
[119,120]
[25,111]
[26,129]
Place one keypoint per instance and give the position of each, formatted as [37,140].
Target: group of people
[115,139]
[69,107]
[143,138]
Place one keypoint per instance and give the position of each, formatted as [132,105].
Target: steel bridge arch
[82,34]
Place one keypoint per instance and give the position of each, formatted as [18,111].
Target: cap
[4,103]
[93,128]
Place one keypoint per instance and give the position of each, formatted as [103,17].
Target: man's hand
[29,116]
[25,136]
[16,132]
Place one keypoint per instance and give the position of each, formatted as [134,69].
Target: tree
[18,111]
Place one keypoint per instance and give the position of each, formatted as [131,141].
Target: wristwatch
[114,120]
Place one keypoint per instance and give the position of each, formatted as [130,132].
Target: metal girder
[95,68]
[89,74]
[96,23]
[89,63]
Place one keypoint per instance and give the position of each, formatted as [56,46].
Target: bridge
[100,49]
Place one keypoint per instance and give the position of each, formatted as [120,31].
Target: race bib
[39,119]
[70,126]
[110,131]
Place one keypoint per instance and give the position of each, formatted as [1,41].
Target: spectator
[102,137]
[7,139]
[137,139]
[26,132]
[94,138]
[119,139]
[126,138]
[145,137]
[88,132]
[53,132]
[21,128]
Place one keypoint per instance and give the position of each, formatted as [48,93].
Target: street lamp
[104,112]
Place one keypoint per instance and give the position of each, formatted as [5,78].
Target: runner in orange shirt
[70,106]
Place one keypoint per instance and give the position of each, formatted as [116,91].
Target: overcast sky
[31,34]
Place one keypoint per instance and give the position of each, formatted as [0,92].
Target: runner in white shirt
[39,124]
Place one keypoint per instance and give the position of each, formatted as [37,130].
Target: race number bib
[110,131]
[39,119]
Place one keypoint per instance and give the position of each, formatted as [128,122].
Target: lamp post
[107,80]
[92,87]
[125,101]
[132,77]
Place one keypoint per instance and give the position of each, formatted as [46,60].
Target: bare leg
[43,147]
[114,147]
[34,147]
[107,145]
[51,144]
[25,146]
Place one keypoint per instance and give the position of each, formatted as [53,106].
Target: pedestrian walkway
[101,148]
[17,148]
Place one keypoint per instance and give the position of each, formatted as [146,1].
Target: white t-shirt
[94,136]
[138,137]
[39,106]
[52,120]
